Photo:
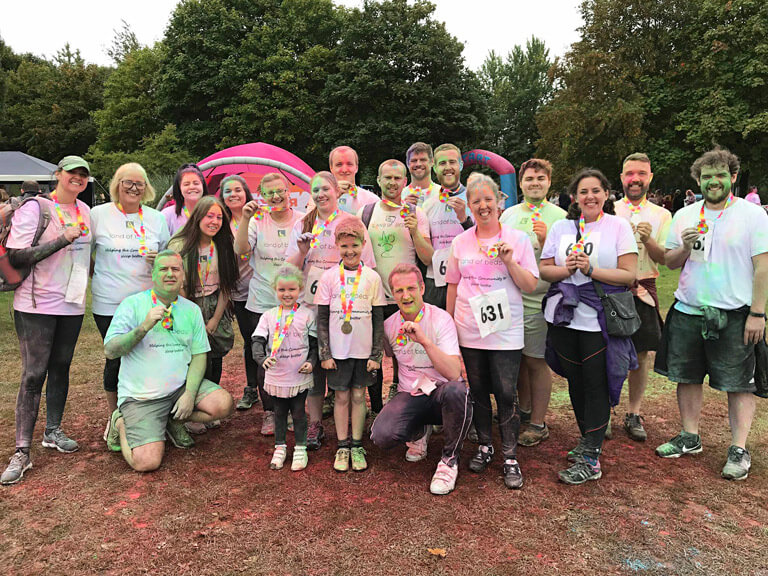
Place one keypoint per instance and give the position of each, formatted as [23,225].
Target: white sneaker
[299,458]
[444,480]
[278,457]
[417,450]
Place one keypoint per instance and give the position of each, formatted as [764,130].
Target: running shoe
[682,444]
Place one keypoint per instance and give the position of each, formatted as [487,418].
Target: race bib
[491,312]
[78,282]
[591,247]
[439,264]
[313,279]
[702,247]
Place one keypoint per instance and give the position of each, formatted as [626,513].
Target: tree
[517,88]
[124,43]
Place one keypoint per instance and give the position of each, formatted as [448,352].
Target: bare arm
[624,274]
[196,372]
[448,366]
[450,299]
[655,251]
[754,329]
[676,257]
[553,273]
[122,344]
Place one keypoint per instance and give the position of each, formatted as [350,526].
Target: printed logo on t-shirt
[281,233]
[128,224]
[390,219]
[386,242]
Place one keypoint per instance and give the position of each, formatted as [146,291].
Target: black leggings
[254,374]
[295,406]
[47,344]
[494,372]
[111,367]
[582,357]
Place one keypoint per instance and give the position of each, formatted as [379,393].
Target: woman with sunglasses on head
[49,305]
[126,237]
[188,187]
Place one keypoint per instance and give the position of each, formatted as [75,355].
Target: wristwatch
[589,271]
[757,314]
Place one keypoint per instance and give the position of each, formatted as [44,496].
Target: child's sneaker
[268,424]
[300,458]
[278,457]
[358,459]
[341,463]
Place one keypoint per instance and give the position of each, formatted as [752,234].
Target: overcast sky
[44,26]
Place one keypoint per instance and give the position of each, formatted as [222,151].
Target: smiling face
[131,189]
[344,166]
[590,196]
[287,291]
[72,182]
[715,183]
[212,221]
[191,188]
[483,203]
[419,165]
[233,195]
[275,192]
[168,276]
[636,179]
[408,293]
[392,181]
[535,185]
[350,248]
[448,168]
[324,195]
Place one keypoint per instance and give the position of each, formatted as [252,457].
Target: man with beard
[420,159]
[448,217]
[650,224]
[721,243]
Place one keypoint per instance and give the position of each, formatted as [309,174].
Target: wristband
[757,314]
[589,271]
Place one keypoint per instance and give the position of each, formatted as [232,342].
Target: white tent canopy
[15,167]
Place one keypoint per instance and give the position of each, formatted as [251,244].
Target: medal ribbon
[579,246]
[536,210]
[236,224]
[402,337]
[279,335]
[319,229]
[186,211]
[60,214]
[702,227]
[348,303]
[203,281]
[167,319]
[142,234]
[405,209]
[493,250]
[632,208]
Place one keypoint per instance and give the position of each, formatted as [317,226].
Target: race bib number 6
[439,265]
[701,248]
[491,312]
[313,279]
[591,247]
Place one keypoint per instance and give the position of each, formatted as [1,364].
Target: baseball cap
[69,163]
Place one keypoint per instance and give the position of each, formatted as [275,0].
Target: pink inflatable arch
[500,165]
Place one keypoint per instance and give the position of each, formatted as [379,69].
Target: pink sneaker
[417,450]
[444,480]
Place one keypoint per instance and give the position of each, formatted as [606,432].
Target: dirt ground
[218,509]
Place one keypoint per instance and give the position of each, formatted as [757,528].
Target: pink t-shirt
[476,275]
[269,244]
[283,379]
[52,276]
[352,205]
[412,359]
[370,293]
[174,222]
[391,241]
[244,271]
[325,255]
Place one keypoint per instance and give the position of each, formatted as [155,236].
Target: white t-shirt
[157,366]
[391,241]
[118,268]
[283,379]
[412,359]
[325,255]
[269,245]
[444,225]
[719,271]
[426,193]
[52,276]
[175,223]
[519,218]
[352,205]
[477,274]
[370,293]
[608,239]
[659,218]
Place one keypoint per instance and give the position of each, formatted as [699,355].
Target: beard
[634,194]
[717,195]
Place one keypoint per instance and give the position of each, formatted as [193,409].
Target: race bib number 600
[491,312]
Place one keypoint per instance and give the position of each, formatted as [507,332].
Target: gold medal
[346,327]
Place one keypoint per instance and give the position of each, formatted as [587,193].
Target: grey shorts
[145,420]
[728,362]
[535,335]
[350,373]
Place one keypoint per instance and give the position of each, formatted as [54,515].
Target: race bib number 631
[491,312]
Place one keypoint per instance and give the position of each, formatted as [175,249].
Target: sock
[357,443]
[24,450]
[537,426]
[343,443]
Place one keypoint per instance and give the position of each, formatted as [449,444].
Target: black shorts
[350,373]
[648,336]
[689,357]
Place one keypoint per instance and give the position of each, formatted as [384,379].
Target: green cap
[69,163]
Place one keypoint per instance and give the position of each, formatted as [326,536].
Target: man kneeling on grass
[161,339]
[423,339]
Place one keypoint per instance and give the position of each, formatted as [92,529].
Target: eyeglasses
[128,184]
[277,192]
